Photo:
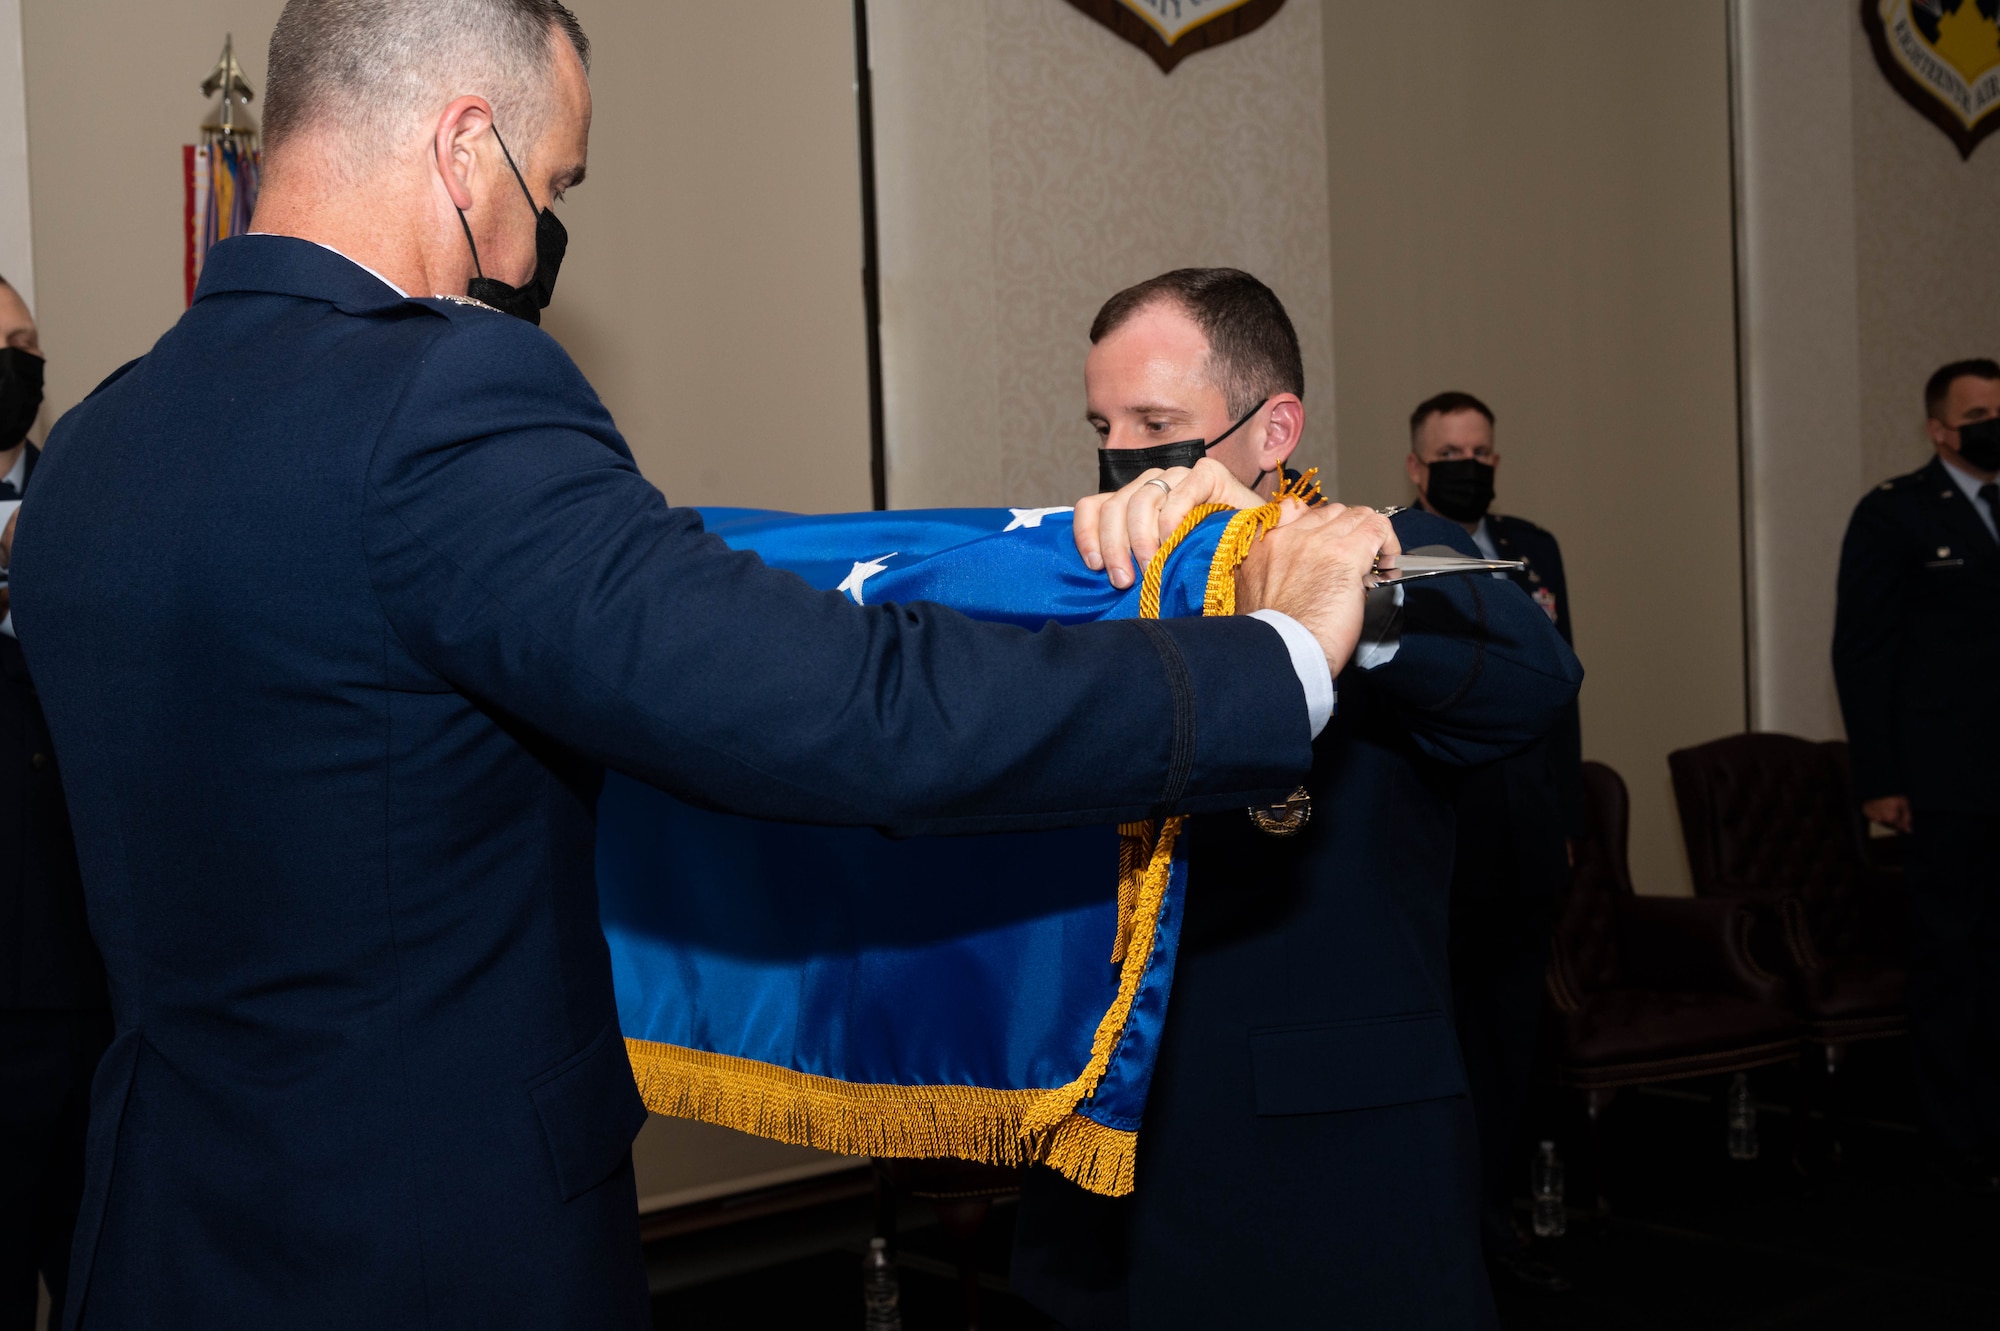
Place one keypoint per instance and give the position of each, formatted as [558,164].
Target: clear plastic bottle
[1742,1119]
[879,1293]
[1551,1220]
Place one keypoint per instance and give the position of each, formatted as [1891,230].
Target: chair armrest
[1693,943]
[1877,927]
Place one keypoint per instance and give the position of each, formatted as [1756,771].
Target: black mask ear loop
[1247,417]
[467,226]
[526,193]
[476,269]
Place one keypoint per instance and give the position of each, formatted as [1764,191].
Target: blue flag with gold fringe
[994,998]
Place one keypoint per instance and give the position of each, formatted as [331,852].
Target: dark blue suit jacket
[1916,645]
[1515,815]
[1308,1156]
[47,961]
[341,604]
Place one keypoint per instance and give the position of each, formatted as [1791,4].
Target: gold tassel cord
[1001,1127]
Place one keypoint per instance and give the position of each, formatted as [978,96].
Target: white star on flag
[1030,517]
[861,572]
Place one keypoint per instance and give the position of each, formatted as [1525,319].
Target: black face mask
[1461,489]
[20,394]
[1119,467]
[551,243]
[1978,444]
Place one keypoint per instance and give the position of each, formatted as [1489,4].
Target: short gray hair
[369,67]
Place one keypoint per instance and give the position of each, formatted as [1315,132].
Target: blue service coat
[1916,645]
[47,961]
[341,604]
[1309,1157]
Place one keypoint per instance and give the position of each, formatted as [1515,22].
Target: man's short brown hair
[1447,403]
[1253,350]
[1938,387]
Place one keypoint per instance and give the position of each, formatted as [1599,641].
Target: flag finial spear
[231,115]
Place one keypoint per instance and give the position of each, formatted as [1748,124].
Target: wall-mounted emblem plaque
[1172,30]
[1943,56]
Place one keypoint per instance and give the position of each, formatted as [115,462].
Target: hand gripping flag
[993,998]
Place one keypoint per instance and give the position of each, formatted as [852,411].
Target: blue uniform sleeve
[1479,671]
[1868,632]
[518,554]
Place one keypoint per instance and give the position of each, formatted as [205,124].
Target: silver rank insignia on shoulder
[1287,819]
[467,300]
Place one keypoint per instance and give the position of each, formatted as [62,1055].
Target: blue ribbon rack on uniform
[995,998]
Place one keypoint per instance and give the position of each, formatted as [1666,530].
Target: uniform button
[40,761]
[1944,552]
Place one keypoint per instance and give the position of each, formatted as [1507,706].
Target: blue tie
[1989,493]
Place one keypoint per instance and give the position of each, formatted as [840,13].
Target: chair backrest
[1586,934]
[1768,815]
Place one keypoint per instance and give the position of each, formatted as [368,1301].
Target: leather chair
[962,1194]
[1652,989]
[1771,820]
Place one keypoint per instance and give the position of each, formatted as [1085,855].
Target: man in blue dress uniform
[55,1016]
[1916,654]
[1309,1155]
[335,692]
[1516,819]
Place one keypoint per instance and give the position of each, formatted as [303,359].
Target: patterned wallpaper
[1030,164]
[1929,292]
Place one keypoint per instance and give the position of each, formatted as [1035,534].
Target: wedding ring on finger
[1165,489]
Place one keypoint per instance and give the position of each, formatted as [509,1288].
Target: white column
[1799,340]
[17,249]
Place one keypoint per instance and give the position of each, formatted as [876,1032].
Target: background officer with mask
[54,1012]
[1916,653]
[1515,819]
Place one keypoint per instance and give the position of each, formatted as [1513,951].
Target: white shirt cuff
[1381,628]
[1309,660]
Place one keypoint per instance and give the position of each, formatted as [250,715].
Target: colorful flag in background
[221,181]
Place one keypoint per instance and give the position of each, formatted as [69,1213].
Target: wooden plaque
[1172,30]
[1943,56]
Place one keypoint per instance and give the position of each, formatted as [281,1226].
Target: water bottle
[1742,1119]
[1551,1220]
[878,1289]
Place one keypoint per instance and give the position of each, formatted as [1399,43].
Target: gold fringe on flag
[997,1127]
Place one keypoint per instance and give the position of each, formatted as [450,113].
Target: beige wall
[713,288]
[713,293]
[1924,225]
[1031,163]
[17,261]
[1801,345]
[1863,241]
[113,93]
[1531,202]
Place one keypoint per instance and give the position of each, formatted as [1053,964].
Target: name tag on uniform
[1944,563]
